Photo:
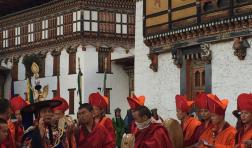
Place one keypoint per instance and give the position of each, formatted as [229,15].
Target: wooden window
[17,36]
[90,21]
[38,27]
[56,63]
[121,23]
[104,60]
[52,28]
[60,25]
[195,78]
[71,100]
[30,32]
[14,70]
[77,21]
[5,38]
[106,22]
[107,94]
[44,29]
[72,61]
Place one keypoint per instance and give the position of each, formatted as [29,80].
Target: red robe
[242,136]
[154,136]
[97,138]
[191,131]
[224,139]
[8,142]
[108,124]
[204,126]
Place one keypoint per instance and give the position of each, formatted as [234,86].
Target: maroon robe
[154,136]
[99,137]
[8,142]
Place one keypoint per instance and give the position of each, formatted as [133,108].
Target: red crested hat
[96,99]
[216,105]
[63,106]
[201,101]
[17,103]
[244,102]
[135,101]
[182,103]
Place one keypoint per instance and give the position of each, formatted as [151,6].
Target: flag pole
[80,82]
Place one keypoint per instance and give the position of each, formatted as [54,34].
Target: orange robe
[154,136]
[224,139]
[99,137]
[242,136]
[204,126]
[191,131]
[108,124]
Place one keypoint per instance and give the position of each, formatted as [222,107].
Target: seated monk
[189,124]
[221,134]
[244,134]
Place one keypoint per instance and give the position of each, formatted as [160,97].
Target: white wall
[118,81]
[230,76]
[159,87]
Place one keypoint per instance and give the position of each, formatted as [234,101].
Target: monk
[17,132]
[189,124]
[201,103]
[148,134]
[89,134]
[100,104]
[244,134]
[134,102]
[221,134]
[5,112]
[67,139]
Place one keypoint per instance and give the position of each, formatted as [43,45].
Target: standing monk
[189,124]
[61,124]
[244,134]
[5,112]
[100,104]
[221,134]
[17,103]
[89,134]
[39,134]
[148,134]
[134,102]
[201,103]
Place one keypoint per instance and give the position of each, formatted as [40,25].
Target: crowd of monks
[43,124]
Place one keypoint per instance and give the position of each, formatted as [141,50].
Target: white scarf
[144,124]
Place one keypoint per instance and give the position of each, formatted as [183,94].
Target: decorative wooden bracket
[206,53]
[177,57]
[240,47]
[154,61]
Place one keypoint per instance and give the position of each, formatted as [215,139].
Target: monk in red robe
[221,134]
[17,132]
[189,124]
[134,102]
[5,112]
[244,134]
[201,103]
[100,104]
[148,134]
[89,134]
[68,139]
